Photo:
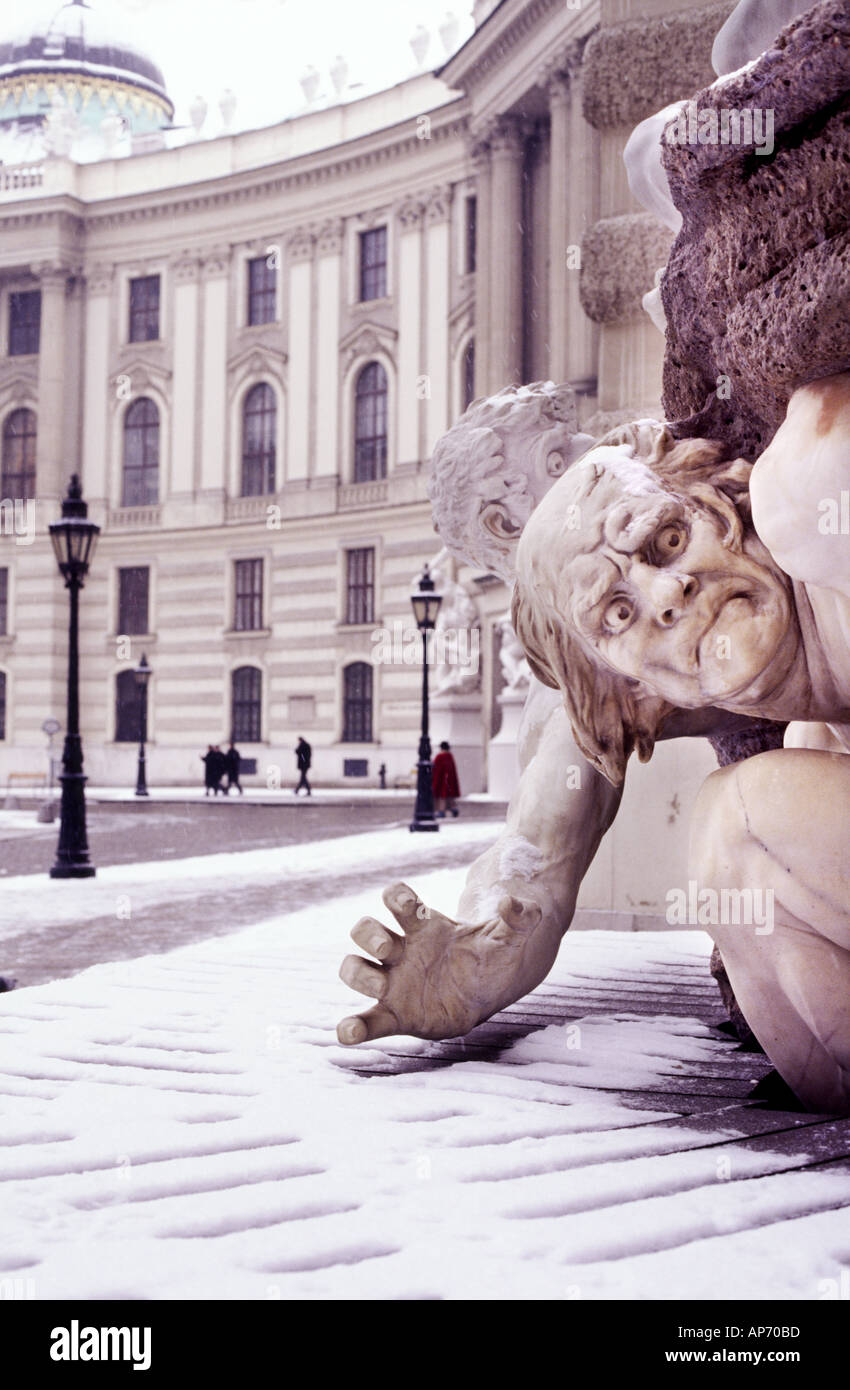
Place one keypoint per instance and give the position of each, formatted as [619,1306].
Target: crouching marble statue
[663,588]
[694,581]
[444,975]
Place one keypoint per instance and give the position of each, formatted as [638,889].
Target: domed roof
[74,38]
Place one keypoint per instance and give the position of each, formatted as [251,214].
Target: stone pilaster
[506,334]
[53,465]
[483,223]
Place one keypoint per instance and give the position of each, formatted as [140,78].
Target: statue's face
[547,457]
[663,600]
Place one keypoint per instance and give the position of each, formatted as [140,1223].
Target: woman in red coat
[444,781]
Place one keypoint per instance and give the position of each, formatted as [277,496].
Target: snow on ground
[187,1126]
[38,901]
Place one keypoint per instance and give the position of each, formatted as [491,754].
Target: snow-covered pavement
[186,1125]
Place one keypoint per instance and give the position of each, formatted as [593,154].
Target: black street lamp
[74,539]
[143,673]
[426,606]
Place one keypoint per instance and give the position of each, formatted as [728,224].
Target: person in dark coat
[232,764]
[303,757]
[210,763]
[219,769]
[444,781]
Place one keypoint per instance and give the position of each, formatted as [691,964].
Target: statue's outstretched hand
[439,979]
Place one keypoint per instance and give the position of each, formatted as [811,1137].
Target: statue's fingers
[522,916]
[378,940]
[409,911]
[363,976]
[377,1022]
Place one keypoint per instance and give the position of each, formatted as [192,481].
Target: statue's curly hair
[471,467]
[613,715]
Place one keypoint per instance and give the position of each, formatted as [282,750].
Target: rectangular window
[133,592]
[4,603]
[24,323]
[248,595]
[360,593]
[471,229]
[144,309]
[262,291]
[373,264]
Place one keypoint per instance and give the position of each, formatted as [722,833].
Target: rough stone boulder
[757,286]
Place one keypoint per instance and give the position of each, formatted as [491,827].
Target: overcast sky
[260,48]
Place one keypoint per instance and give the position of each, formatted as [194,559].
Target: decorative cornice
[367,339]
[501,48]
[142,373]
[255,359]
[307,171]
[22,388]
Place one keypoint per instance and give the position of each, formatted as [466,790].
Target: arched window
[370,424]
[2,704]
[141,454]
[468,374]
[246,705]
[128,707]
[19,436]
[259,427]
[357,703]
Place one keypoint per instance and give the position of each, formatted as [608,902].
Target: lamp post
[143,673]
[74,538]
[426,606]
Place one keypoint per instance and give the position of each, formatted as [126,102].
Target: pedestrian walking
[210,763]
[233,764]
[303,758]
[444,781]
[219,769]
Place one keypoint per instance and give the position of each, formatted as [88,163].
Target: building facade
[247,347]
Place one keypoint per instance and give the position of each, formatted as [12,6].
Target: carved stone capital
[330,236]
[506,136]
[186,267]
[53,274]
[216,262]
[100,277]
[410,211]
[301,244]
[438,205]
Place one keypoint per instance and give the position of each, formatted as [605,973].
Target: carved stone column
[506,356]
[483,238]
